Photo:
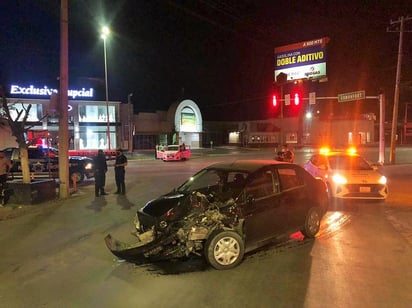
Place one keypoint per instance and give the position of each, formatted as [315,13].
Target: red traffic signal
[296,99]
[275,101]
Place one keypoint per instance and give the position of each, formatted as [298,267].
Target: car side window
[262,185]
[289,178]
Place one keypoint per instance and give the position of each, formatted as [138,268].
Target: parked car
[347,175]
[173,152]
[44,162]
[80,168]
[225,210]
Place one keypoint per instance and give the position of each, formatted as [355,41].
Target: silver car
[348,175]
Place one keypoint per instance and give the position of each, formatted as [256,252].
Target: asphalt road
[55,256]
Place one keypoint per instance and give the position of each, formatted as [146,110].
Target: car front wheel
[312,222]
[77,176]
[224,249]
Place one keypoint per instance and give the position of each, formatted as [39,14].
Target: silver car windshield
[347,162]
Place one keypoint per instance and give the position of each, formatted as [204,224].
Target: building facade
[91,122]
[181,123]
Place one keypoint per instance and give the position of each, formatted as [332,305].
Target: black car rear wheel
[224,249]
[312,222]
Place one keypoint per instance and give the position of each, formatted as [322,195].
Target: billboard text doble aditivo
[304,60]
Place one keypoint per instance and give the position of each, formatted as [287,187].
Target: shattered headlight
[136,223]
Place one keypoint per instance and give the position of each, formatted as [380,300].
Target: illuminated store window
[188,120]
[96,113]
[95,137]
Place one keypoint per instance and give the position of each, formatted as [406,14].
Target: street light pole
[105,33]
[130,117]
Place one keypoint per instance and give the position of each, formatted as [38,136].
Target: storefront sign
[46,91]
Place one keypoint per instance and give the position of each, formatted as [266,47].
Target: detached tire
[312,222]
[224,250]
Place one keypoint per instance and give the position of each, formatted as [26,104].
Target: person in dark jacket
[119,172]
[100,169]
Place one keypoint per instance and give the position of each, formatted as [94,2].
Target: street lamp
[130,117]
[104,35]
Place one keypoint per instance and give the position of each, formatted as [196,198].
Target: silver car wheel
[226,251]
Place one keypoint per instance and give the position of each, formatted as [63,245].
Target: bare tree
[18,126]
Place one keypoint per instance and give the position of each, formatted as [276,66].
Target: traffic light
[296,99]
[275,101]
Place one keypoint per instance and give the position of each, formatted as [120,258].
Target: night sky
[218,53]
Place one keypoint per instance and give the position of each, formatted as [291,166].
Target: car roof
[247,165]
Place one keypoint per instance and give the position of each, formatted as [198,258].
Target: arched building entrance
[181,123]
[188,124]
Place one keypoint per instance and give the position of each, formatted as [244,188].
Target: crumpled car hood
[161,205]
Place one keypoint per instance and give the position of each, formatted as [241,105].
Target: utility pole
[63,114]
[130,121]
[400,22]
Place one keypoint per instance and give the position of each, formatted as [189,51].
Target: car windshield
[347,162]
[172,148]
[209,180]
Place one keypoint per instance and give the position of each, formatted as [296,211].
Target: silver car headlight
[382,180]
[339,179]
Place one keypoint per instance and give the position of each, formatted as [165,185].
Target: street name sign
[351,96]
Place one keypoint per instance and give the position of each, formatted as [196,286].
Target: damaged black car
[226,210]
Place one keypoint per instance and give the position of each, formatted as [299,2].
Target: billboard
[304,60]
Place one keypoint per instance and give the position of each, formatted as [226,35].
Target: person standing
[100,169]
[5,166]
[119,172]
